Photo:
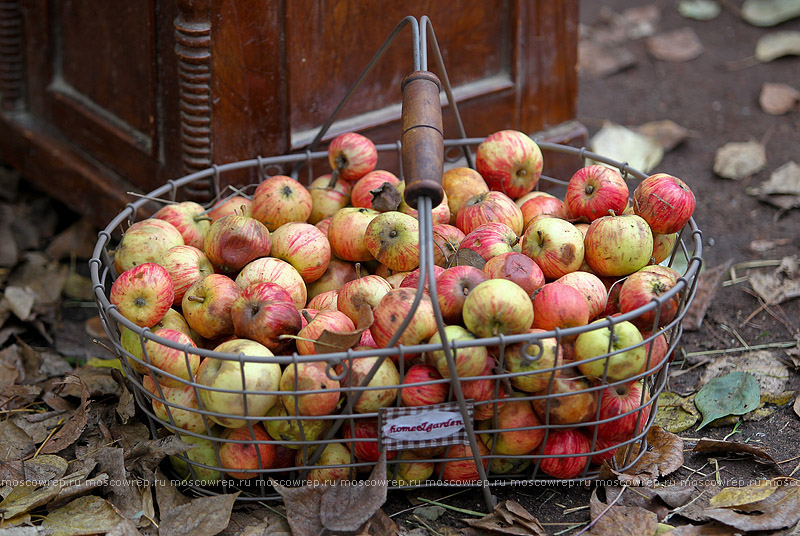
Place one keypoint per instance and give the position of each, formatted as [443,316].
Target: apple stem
[541,237]
[358,270]
[198,299]
[611,212]
[203,218]
[516,241]
[307,316]
[334,178]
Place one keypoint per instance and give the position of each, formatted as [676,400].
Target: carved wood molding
[193,48]
[12,57]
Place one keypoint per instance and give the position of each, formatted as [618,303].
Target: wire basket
[346,443]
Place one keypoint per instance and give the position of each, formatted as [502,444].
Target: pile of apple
[268,276]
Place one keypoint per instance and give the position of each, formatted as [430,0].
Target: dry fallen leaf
[782,189]
[708,282]
[766,367]
[675,46]
[779,510]
[738,496]
[386,197]
[203,516]
[664,456]
[709,529]
[713,445]
[699,9]
[620,520]
[625,145]
[779,286]
[74,426]
[777,44]
[778,99]
[769,12]
[739,160]
[346,508]
[509,517]
[675,413]
[640,21]
[340,341]
[84,515]
[598,60]
[667,133]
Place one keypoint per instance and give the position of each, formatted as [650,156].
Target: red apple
[460,184]
[591,287]
[556,305]
[365,451]
[393,239]
[555,244]
[303,246]
[601,444]
[644,286]
[490,240]
[571,447]
[234,241]
[323,225]
[489,207]
[242,454]
[497,306]
[440,214]
[620,352]
[338,273]
[236,204]
[656,348]
[263,312]
[352,156]
[362,195]
[482,391]
[392,310]
[618,245]
[517,431]
[309,389]
[446,239]
[207,305]
[364,291]
[568,400]
[517,268]
[326,200]
[272,270]
[327,301]
[323,321]
[411,472]
[179,362]
[143,294]
[189,219]
[412,279]
[423,395]
[627,405]
[186,265]
[346,233]
[281,199]
[463,471]
[595,191]
[544,204]
[145,241]
[665,202]
[510,161]
[452,288]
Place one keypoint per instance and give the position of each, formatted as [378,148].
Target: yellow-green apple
[570,442]
[446,239]
[363,291]
[303,246]
[595,191]
[244,453]
[412,279]
[544,204]
[338,273]
[645,285]
[469,360]
[555,244]
[145,241]
[334,321]
[463,471]
[236,204]
[234,241]
[186,265]
[272,270]
[321,392]
[557,305]
[618,245]
[207,305]
[202,453]
[460,184]
[656,348]
[365,429]
[489,207]
[439,214]
[189,219]
[665,202]
[392,310]
[490,240]
[281,199]
[327,199]
[263,312]
[179,406]
[423,395]
[362,194]
[510,161]
[132,343]
[497,306]
[534,363]
[386,375]
[411,471]
[626,405]
[346,233]
[333,463]
[327,301]
[663,245]
[393,239]
[621,352]
[452,288]
[568,400]
[352,156]
[591,287]
[518,268]
[293,431]
[517,431]
[244,378]
[179,362]
[143,294]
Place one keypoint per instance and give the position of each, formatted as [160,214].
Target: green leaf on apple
[736,393]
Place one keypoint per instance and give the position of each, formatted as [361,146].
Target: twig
[422,522]
[734,431]
[573,510]
[790,344]
[53,431]
[440,498]
[735,334]
[605,510]
[571,527]
[789,460]
[151,198]
[795,470]
[453,508]
[680,508]
[272,509]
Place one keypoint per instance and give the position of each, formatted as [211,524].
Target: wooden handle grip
[422,138]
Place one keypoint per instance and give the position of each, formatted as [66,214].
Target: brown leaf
[509,517]
[126,407]
[709,529]
[620,520]
[675,46]
[126,527]
[695,508]
[203,516]
[43,468]
[259,522]
[26,497]
[78,240]
[78,489]
[385,197]
[14,442]
[94,328]
[796,406]
[9,252]
[126,495]
[598,60]
[467,257]
[667,133]
[302,508]
[713,445]
[708,283]
[73,428]
[778,99]
[781,285]
[340,341]
[739,160]
[145,456]
[664,457]
[778,511]
[85,515]
[346,508]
